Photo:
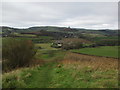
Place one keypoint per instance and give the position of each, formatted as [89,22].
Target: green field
[107,51]
[25,35]
[39,39]
[45,46]
[112,37]
[48,53]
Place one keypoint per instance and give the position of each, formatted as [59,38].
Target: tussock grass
[82,71]
[74,71]
[91,61]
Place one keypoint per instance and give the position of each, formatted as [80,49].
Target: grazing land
[45,46]
[107,51]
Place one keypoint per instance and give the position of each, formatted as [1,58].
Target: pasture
[107,51]
[45,46]
[46,52]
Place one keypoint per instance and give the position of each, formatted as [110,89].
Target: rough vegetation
[50,57]
[17,53]
[74,71]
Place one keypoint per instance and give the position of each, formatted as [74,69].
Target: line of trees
[108,42]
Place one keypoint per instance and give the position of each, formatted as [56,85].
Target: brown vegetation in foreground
[93,62]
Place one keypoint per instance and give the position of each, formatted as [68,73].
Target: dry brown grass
[68,40]
[93,62]
[36,62]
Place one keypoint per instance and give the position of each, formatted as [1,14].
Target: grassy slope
[108,51]
[48,53]
[45,46]
[67,76]
[70,75]
[41,77]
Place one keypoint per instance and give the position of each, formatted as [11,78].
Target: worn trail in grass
[41,77]
[73,71]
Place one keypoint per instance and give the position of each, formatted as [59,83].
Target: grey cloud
[87,15]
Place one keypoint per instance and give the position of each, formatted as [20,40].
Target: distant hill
[8,30]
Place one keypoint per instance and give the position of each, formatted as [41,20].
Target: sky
[90,15]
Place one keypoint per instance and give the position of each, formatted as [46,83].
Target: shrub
[108,42]
[13,81]
[72,43]
[17,53]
